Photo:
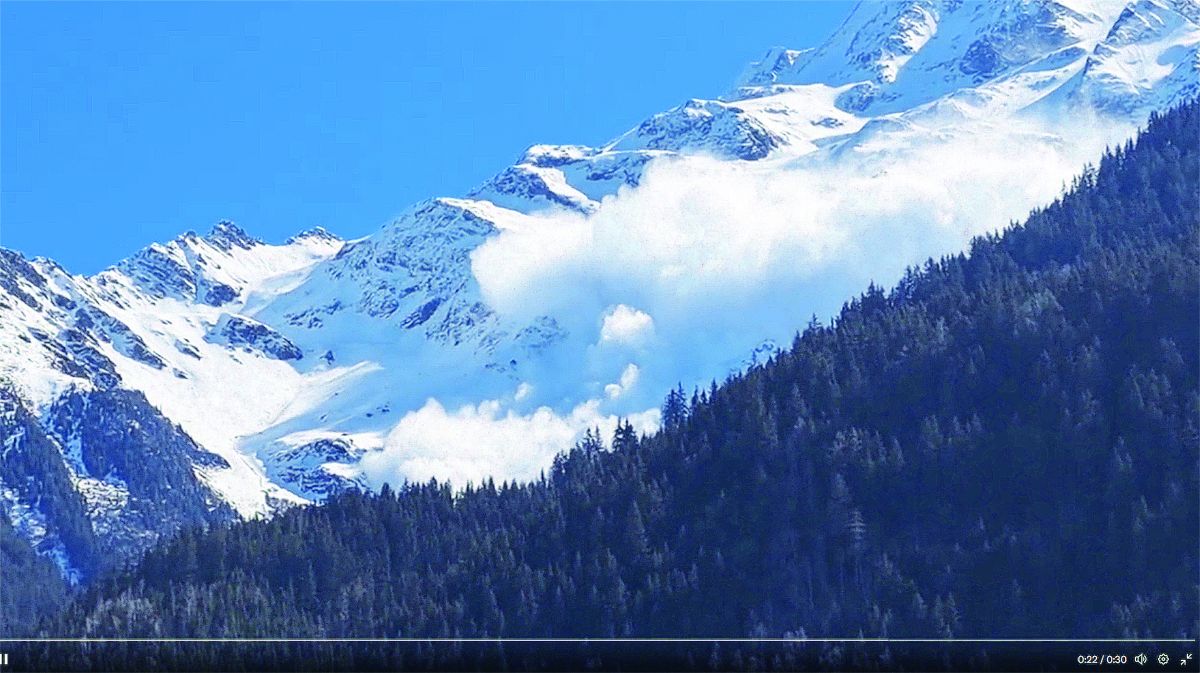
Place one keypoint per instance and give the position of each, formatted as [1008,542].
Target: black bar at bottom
[601,656]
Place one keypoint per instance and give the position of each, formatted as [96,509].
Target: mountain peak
[897,56]
[317,233]
[225,235]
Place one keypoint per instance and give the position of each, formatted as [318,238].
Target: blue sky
[124,123]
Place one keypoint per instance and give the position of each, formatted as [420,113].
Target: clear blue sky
[124,123]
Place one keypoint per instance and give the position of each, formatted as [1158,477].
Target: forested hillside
[31,585]
[1004,445]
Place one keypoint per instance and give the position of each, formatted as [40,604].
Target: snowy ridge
[147,324]
[293,366]
[1148,59]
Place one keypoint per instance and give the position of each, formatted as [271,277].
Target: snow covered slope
[153,323]
[476,336]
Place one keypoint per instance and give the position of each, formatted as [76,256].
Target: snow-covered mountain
[279,374]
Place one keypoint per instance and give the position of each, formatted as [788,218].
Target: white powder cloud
[474,442]
[716,256]
[701,233]
[679,279]
[629,379]
[626,325]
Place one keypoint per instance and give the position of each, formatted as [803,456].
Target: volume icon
[1141,659]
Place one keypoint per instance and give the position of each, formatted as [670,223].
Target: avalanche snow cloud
[709,246]
[477,442]
[681,278]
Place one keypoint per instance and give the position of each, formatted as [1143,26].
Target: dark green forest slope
[1004,445]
